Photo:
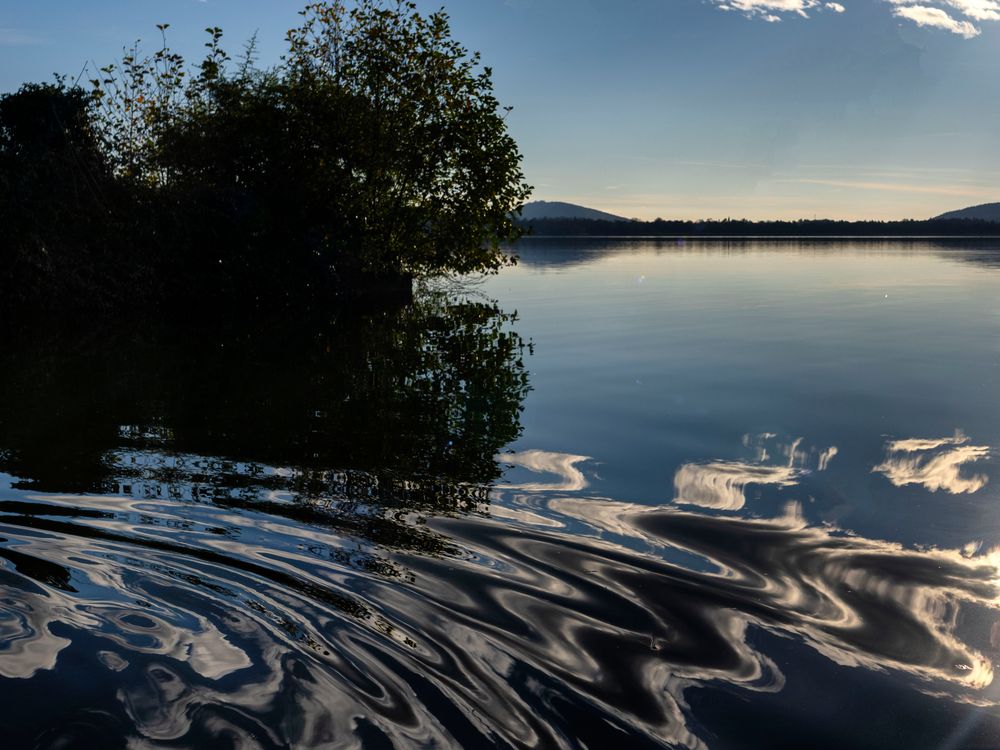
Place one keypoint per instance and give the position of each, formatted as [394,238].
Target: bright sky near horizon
[675,108]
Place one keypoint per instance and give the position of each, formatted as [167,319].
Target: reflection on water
[258,478]
[721,485]
[562,465]
[690,531]
[571,607]
[935,464]
[399,408]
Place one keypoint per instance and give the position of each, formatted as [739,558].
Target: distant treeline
[745,228]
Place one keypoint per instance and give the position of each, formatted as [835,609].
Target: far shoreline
[828,229]
[788,237]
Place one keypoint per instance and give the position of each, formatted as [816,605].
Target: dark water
[691,495]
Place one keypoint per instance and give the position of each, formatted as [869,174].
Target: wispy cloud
[955,16]
[894,187]
[772,11]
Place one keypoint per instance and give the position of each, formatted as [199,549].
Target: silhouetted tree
[53,187]
[374,152]
[375,148]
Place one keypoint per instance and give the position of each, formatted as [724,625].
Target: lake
[658,493]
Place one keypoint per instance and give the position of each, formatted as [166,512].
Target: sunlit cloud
[772,11]
[980,10]
[924,15]
[932,14]
[935,464]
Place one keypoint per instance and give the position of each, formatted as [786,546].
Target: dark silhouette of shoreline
[823,228]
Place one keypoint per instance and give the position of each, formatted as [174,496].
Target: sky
[682,109]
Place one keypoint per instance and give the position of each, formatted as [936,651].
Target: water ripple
[555,622]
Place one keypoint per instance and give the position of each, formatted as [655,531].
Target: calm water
[703,495]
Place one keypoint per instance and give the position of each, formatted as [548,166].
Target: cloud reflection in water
[721,485]
[569,614]
[934,464]
[562,465]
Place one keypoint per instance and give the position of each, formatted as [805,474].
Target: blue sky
[673,108]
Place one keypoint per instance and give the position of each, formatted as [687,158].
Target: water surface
[697,495]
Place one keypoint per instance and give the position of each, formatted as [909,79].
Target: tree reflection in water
[273,551]
[352,422]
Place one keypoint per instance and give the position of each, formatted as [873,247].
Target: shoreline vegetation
[372,155]
[743,229]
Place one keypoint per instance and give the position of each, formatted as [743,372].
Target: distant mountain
[558,210]
[985,212]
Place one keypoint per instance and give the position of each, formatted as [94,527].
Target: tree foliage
[57,196]
[374,148]
[378,134]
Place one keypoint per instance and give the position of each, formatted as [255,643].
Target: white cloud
[771,10]
[980,10]
[767,9]
[924,15]
[955,16]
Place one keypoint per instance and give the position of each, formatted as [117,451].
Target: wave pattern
[557,621]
